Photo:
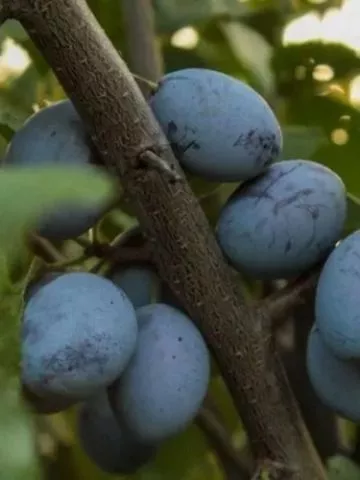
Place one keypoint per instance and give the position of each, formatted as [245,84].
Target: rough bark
[185,251]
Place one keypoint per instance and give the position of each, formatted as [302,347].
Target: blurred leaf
[213,201]
[353,214]
[344,160]
[301,142]
[174,14]
[342,468]
[25,194]
[12,115]
[6,131]
[195,462]
[244,41]
[220,394]
[18,456]
[10,309]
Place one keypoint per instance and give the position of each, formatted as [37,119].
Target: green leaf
[244,40]
[174,14]
[18,456]
[6,132]
[302,142]
[196,461]
[11,114]
[353,214]
[25,194]
[342,468]
[10,310]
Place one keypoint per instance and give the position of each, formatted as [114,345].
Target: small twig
[69,262]
[219,438]
[83,242]
[46,250]
[155,162]
[143,48]
[126,255]
[277,305]
[152,85]
[117,252]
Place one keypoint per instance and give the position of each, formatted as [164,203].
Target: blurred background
[303,57]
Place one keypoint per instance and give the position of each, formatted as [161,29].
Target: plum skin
[55,136]
[107,441]
[219,127]
[335,381]
[283,222]
[337,299]
[164,385]
[78,334]
[138,282]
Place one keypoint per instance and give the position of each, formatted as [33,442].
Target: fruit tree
[135,317]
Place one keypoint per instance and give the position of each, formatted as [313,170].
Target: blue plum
[283,222]
[163,387]
[337,299]
[107,441]
[56,136]
[219,127]
[78,334]
[335,381]
[140,284]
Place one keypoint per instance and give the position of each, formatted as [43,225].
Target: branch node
[153,161]
[277,305]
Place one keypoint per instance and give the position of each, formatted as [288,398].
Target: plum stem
[279,304]
[45,249]
[140,79]
[119,252]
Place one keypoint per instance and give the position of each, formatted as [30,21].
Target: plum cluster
[122,347]
[284,217]
[140,374]
[333,352]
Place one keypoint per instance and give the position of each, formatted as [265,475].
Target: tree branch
[143,48]
[185,251]
[219,439]
[278,305]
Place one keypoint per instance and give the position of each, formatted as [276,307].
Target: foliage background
[303,57]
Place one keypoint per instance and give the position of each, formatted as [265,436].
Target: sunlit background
[336,25]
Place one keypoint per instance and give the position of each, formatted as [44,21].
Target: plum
[219,127]
[163,386]
[107,441]
[56,136]
[283,222]
[336,381]
[138,282]
[78,334]
[337,299]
